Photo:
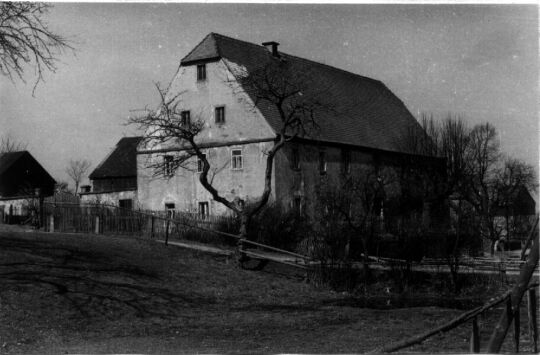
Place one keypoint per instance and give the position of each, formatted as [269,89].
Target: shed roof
[121,162]
[364,113]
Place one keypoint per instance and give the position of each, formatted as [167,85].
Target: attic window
[220,115]
[201,72]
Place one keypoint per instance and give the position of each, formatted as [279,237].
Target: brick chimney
[272,47]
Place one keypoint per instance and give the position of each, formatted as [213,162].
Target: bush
[279,228]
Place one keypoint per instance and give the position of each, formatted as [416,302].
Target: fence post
[516,329]
[152,228]
[475,338]
[167,232]
[241,257]
[51,223]
[96,227]
[533,326]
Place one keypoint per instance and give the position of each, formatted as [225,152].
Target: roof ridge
[332,67]
[238,40]
[294,56]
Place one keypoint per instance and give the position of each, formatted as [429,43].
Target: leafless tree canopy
[76,170]
[477,171]
[8,144]
[25,40]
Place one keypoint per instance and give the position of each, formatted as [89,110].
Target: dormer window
[201,72]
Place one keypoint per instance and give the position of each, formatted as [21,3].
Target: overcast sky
[477,61]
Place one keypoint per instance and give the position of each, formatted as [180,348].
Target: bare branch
[76,170]
[25,40]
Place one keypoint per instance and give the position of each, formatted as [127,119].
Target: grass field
[100,294]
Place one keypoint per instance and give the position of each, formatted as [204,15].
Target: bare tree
[510,179]
[8,145]
[476,171]
[25,39]
[76,170]
[353,210]
[288,92]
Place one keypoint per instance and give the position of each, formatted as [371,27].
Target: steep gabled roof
[20,173]
[365,112]
[8,159]
[121,162]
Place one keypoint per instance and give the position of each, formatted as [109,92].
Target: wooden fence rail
[512,300]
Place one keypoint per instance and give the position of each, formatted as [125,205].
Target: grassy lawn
[100,294]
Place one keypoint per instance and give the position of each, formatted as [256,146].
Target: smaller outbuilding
[23,182]
[114,181]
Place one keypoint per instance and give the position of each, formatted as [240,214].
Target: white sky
[479,61]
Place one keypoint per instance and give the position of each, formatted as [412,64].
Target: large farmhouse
[365,125]
[22,182]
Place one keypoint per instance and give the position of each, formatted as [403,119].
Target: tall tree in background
[76,170]
[477,172]
[25,40]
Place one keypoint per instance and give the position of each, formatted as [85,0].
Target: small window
[169,208]
[186,119]
[201,72]
[322,162]
[346,161]
[297,204]
[220,115]
[236,159]
[200,164]
[295,159]
[168,169]
[203,210]
[126,204]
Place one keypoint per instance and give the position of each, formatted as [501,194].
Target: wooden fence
[511,313]
[108,219]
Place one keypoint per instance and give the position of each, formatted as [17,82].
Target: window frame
[323,166]
[237,159]
[295,158]
[168,170]
[126,203]
[201,72]
[170,209]
[185,118]
[346,161]
[204,209]
[219,119]
[297,204]
[200,164]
